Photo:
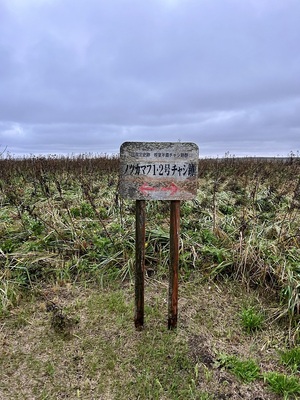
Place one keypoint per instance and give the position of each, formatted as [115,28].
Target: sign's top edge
[128,143]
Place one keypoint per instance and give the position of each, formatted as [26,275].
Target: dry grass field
[67,250]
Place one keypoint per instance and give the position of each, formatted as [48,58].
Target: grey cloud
[218,72]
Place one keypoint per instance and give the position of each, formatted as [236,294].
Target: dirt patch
[200,351]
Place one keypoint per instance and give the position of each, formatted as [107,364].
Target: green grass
[291,358]
[251,319]
[246,370]
[288,386]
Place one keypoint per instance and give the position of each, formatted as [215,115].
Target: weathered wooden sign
[158,170]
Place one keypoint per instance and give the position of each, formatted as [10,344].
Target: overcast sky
[82,76]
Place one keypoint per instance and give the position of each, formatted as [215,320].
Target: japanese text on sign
[175,170]
[138,154]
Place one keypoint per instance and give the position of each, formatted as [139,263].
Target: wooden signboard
[158,170]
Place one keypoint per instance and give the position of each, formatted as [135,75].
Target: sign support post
[139,262]
[174,263]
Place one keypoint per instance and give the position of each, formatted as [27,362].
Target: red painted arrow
[172,188]
[145,188]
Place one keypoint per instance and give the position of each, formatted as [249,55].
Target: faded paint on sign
[158,171]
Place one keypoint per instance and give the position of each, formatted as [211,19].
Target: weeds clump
[246,370]
[288,386]
[291,358]
[251,319]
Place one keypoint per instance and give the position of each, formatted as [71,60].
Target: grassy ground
[66,285]
[92,351]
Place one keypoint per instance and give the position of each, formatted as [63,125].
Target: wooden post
[174,263]
[140,233]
